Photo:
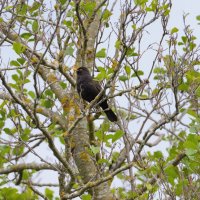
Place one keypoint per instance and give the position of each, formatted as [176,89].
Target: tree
[153,149]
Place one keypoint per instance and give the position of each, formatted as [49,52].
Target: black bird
[88,89]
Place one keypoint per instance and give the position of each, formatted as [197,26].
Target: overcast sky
[179,7]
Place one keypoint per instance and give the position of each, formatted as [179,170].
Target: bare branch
[25,166]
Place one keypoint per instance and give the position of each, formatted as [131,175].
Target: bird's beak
[75,68]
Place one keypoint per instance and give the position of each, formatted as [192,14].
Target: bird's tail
[111,115]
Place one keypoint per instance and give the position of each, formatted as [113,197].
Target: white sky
[178,8]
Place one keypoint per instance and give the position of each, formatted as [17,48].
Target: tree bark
[85,163]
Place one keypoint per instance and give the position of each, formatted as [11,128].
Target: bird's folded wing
[97,85]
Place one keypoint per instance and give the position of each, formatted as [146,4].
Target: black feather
[88,89]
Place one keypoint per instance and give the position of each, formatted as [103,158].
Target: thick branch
[24,166]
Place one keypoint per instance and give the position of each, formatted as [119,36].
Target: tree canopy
[51,140]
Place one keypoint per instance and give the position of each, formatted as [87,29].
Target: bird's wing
[97,85]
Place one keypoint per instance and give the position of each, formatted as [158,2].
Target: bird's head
[82,70]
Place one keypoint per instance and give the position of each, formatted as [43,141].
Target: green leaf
[197,92]
[106,15]
[143,96]
[89,7]
[34,7]
[26,36]
[86,197]
[110,70]
[106,24]
[101,53]
[180,43]
[184,39]
[2,123]
[18,150]
[101,69]
[63,1]
[47,103]
[121,177]
[101,75]
[139,73]
[192,46]
[128,70]
[159,70]
[7,131]
[69,51]
[123,78]
[194,128]
[49,194]
[149,9]
[9,193]
[107,137]
[26,81]
[18,47]
[134,27]
[192,142]
[131,52]
[21,60]
[193,38]
[192,113]
[95,150]
[172,173]
[99,134]
[15,77]
[63,85]
[35,26]
[32,94]
[149,186]
[4,149]
[14,63]
[101,161]
[25,134]
[166,13]
[105,126]
[140,2]
[21,9]
[179,187]
[183,87]
[118,134]
[198,17]
[190,152]
[158,154]
[49,93]
[2,114]
[14,86]
[117,44]
[67,23]
[174,30]
[20,73]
